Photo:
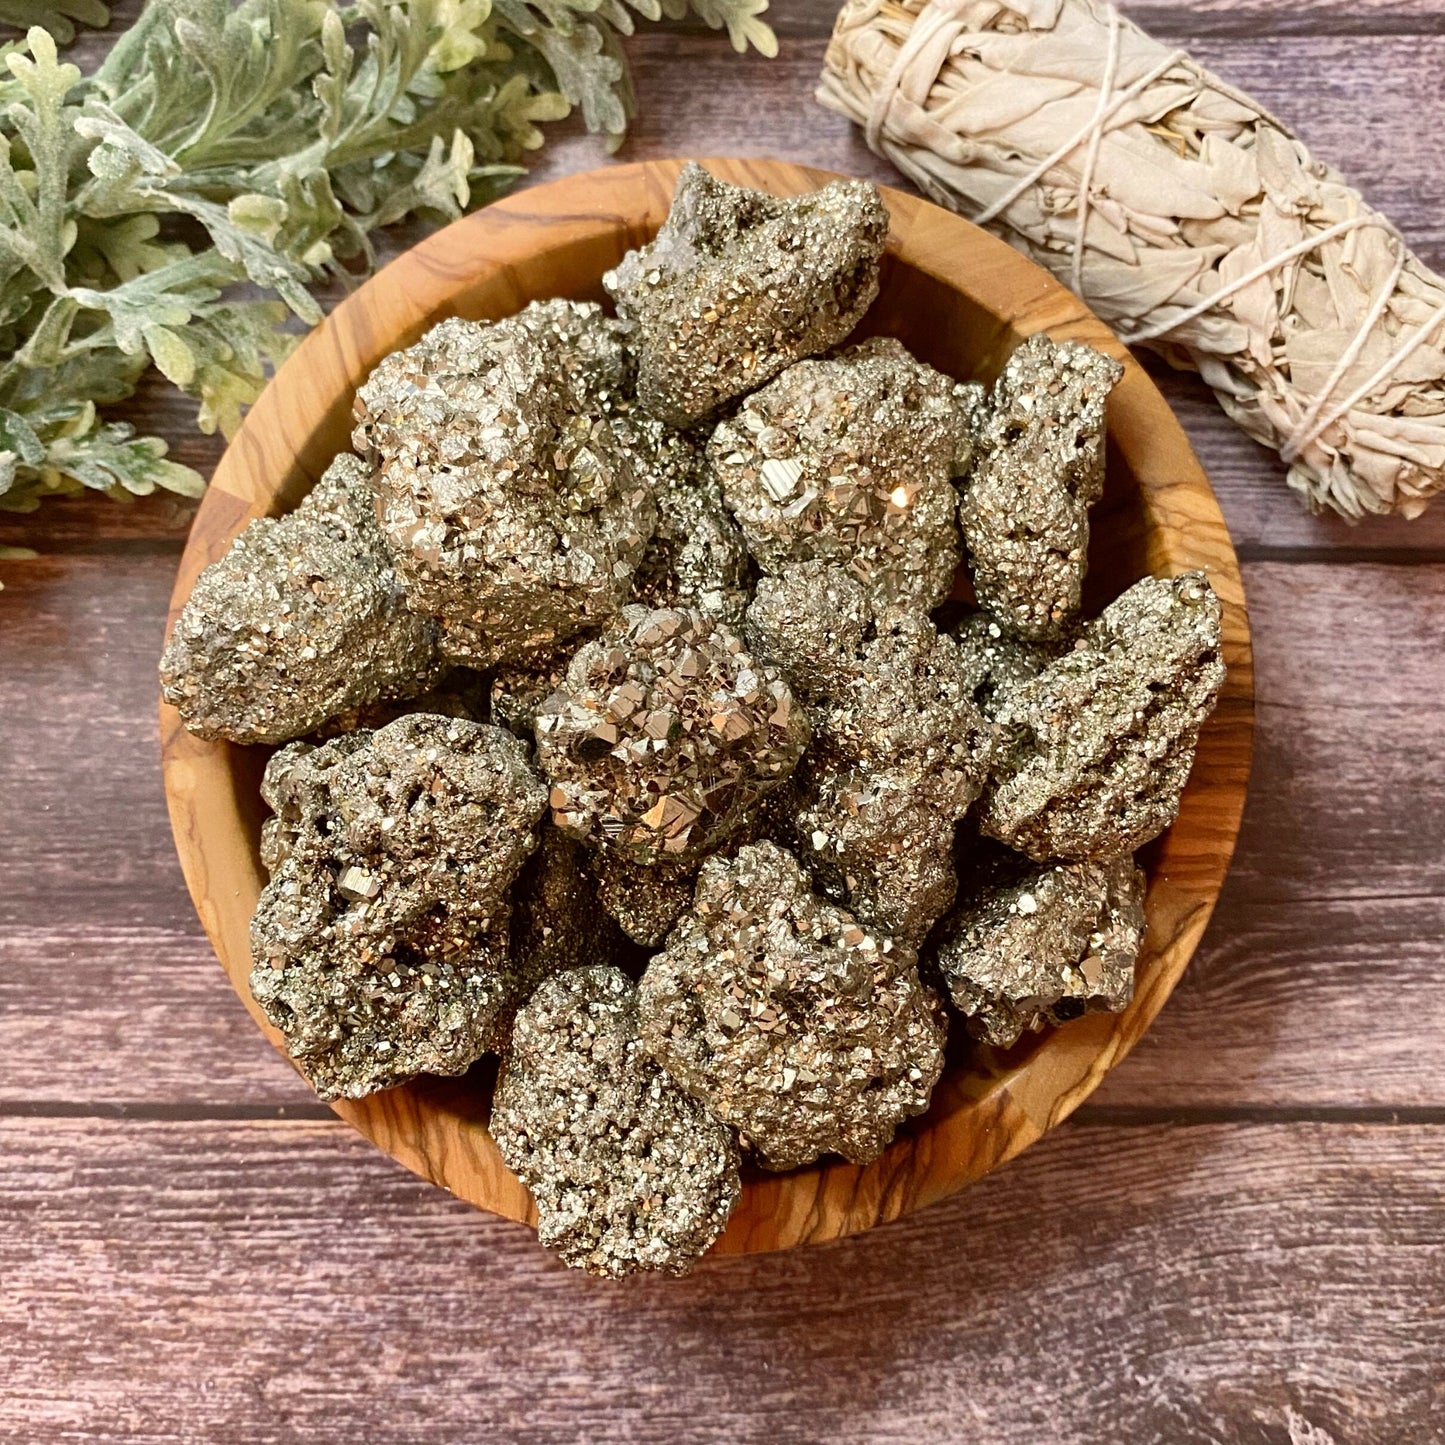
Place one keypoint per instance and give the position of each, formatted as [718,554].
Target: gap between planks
[266,1283]
[1176,19]
[1098,1116]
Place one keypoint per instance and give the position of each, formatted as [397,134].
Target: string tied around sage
[1189,217]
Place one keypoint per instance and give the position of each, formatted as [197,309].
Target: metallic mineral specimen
[629,1172]
[872,840]
[995,662]
[664,737]
[883,686]
[899,754]
[1038,467]
[696,557]
[380,944]
[644,901]
[850,459]
[514,507]
[1095,750]
[739,285]
[302,619]
[558,921]
[807,1032]
[647,900]
[810,622]
[1042,944]
[906,706]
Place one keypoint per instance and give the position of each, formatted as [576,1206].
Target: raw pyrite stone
[884,688]
[696,557]
[899,752]
[906,706]
[805,1031]
[849,459]
[379,946]
[516,511]
[629,1172]
[1095,750]
[995,662]
[1038,467]
[1043,944]
[664,736]
[558,921]
[811,622]
[645,900]
[739,285]
[871,839]
[302,619]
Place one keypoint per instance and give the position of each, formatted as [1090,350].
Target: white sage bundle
[1187,216]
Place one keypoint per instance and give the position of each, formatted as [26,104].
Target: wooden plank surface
[1242,1239]
[1342,822]
[1362,108]
[1233,1282]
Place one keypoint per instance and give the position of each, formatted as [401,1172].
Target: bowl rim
[978,1120]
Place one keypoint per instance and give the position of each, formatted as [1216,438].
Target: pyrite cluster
[627,738]
[380,945]
[515,508]
[739,285]
[1040,943]
[664,737]
[629,1170]
[303,619]
[900,750]
[805,1031]
[851,460]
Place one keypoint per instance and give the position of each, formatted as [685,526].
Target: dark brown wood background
[1241,1239]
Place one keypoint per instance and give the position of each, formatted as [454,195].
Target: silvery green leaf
[287,131]
[174,359]
[120,152]
[59,17]
[83,453]
[18,439]
[236,344]
[740,19]
[111,458]
[45,230]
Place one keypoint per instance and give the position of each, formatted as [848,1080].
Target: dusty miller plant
[59,17]
[174,208]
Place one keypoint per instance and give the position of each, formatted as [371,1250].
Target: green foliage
[59,17]
[174,208]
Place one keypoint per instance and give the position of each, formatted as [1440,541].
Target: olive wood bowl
[958,298]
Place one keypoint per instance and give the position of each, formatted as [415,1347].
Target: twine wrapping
[1188,217]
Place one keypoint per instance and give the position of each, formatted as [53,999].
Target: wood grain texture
[1230,1284]
[1234,1284]
[1355,79]
[101,955]
[1333,1005]
[956,297]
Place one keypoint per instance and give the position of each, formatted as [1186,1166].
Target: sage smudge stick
[1188,217]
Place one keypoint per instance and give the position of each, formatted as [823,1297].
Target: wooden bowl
[959,299]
